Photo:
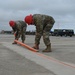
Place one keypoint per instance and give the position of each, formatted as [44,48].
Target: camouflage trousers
[45,34]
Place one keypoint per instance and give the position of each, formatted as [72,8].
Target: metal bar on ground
[26,46]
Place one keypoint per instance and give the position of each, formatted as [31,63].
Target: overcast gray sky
[63,12]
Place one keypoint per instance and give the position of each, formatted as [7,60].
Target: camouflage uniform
[20,29]
[43,24]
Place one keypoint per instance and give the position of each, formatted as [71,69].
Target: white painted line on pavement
[48,63]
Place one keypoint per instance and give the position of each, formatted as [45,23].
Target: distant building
[11,32]
[6,32]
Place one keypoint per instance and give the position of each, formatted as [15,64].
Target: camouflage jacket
[19,25]
[40,21]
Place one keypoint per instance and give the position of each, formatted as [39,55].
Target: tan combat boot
[36,46]
[48,49]
[14,42]
[22,41]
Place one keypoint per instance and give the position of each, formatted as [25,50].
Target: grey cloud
[16,5]
[62,10]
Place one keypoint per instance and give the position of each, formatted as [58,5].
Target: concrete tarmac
[17,60]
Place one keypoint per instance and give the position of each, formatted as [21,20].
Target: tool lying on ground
[26,46]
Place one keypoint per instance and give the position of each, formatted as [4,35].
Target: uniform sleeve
[14,29]
[18,26]
[39,26]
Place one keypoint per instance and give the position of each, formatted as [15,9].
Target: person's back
[20,24]
[43,19]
